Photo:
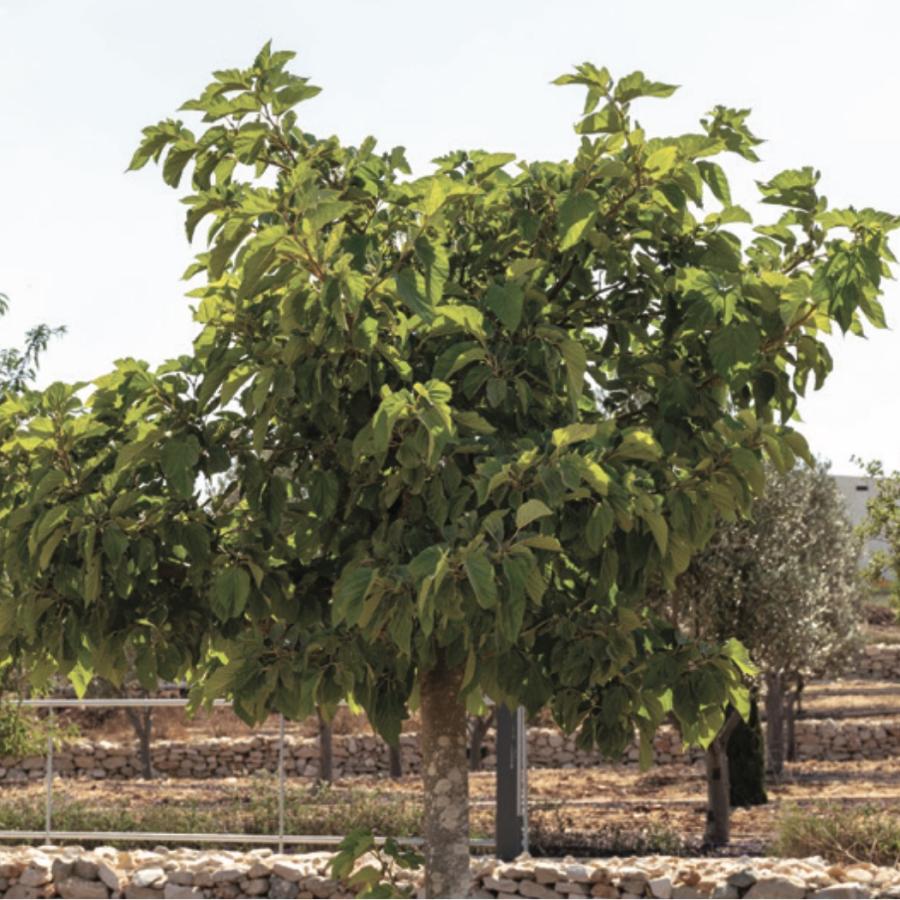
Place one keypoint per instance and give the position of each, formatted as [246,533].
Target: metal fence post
[48,811]
[281,784]
[511,822]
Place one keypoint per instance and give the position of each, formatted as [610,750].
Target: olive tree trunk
[142,723]
[446,783]
[791,711]
[326,756]
[775,722]
[718,805]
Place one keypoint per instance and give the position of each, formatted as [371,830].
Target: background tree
[785,582]
[18,366]
[471,417]
[882,522]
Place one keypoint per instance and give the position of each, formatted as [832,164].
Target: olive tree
[469,419]
[783,581]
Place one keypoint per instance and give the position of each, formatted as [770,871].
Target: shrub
[867,833]
[24,733]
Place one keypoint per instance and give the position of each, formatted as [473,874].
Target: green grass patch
[313,811]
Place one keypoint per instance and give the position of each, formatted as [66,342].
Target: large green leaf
[480,573]
[230,592]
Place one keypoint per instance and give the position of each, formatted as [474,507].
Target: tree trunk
[775,722]
[747,760]
[718,806]
[480,725]
[446,783]
[326,757]
[142,723]
[791,712]
[395,761]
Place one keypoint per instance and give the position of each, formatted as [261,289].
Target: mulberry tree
[469,418]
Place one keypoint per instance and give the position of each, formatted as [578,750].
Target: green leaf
[738,654]
[540,542]
[505,301]
[599,526]
[45,525]
[531,510]
[576,215]
[480,573]
[115,543]
[733,344]
[230,592]
[412,291]
[659,528]
[80,678]
[49,548]
[573,434]
[575,358]
[473,421]
[661,161]
[638,444]
[608,121]
[714,176]
[177,460]
[350,592]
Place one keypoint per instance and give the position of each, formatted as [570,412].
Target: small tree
[882,522]
[785,583]
[18,365]
[472,417]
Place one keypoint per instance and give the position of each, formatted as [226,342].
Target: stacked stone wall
[365,754]
[106,873]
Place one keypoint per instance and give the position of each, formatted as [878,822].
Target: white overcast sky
[85,245]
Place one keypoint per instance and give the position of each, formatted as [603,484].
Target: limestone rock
[777,887]
[78,888]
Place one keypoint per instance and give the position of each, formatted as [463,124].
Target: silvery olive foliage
[785,580]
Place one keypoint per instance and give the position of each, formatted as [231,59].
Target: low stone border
[181,873]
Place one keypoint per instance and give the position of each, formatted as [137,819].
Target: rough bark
[792,710]
[775,722]
[395,761]
[446,784]
[480,726]
[142,723]
[747,760]
[718,805]
[326,757]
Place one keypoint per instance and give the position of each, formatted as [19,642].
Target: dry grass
[601,810]
[851,698]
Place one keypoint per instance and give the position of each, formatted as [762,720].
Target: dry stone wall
[366,754]
[180,873]
[879,661]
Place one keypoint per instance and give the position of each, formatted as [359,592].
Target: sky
[85,245]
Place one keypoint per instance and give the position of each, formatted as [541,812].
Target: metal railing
[164,837]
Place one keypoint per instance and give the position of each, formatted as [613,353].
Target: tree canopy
[543,384]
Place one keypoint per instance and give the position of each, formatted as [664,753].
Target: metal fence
[280,839]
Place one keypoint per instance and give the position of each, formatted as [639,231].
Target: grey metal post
[48,811]
[281,784]
[511,823]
